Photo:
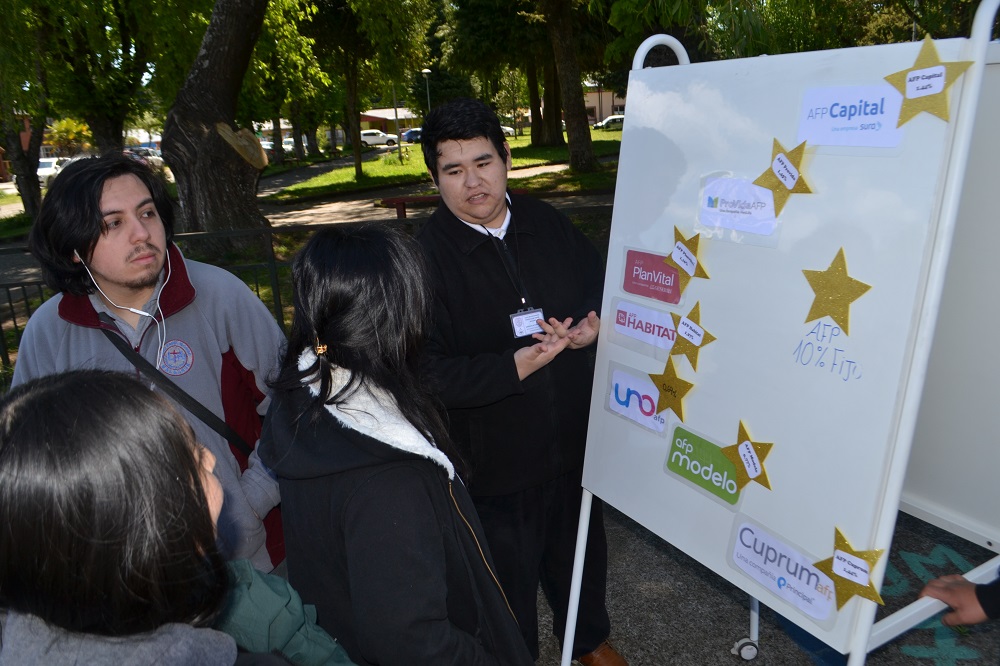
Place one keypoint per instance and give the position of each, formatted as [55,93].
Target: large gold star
[747,457]
[684,257]
[924,86]
[850,571]
[672,390]
[835,291]
[784,177]
[690,336]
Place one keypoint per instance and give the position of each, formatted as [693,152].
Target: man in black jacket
[517,291]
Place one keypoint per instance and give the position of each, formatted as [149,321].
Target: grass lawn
[14,227]
[7,199]
[388,172]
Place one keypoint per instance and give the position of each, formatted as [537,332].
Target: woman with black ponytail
[380,532]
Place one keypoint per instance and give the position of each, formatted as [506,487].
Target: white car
[611,122]
[507,131]
[378,138]
[48,168]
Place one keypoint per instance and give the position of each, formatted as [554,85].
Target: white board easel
[840,445]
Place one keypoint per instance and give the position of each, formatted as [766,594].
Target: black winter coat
[386,546]
[514,435]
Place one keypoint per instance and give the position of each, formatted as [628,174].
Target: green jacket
[263,613]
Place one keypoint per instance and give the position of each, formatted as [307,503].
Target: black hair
[104,525]
[362,291]
[70,219]
[461,119]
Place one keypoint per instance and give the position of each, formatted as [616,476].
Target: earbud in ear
[78,257]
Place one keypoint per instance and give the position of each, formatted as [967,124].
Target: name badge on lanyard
[525,322]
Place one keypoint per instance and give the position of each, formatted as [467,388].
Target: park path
[16,265]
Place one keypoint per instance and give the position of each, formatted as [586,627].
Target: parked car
[507,131]
[377,138]
[412,135]
[152,155]
[48,168]
[611,122]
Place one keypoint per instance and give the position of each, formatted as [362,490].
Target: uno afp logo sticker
[177,358]
[701,462]
[634,398]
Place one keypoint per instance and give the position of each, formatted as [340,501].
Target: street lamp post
[427,81]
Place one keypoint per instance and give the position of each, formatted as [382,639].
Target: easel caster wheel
[746,649]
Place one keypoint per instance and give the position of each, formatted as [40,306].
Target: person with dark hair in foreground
[517,292]
[103,238]
[108,549]
[380,531]
[970,603]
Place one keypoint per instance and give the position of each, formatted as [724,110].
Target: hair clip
[320,348]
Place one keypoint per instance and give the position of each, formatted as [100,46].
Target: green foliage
[15,227]
[744,28]
[69,136]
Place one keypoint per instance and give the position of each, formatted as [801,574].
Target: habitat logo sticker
[645,324]
[851,116]
[647,275]
[736,203]
[701,462]
[634,397]
[783,570]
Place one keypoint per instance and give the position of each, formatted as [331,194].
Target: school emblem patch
[177,358]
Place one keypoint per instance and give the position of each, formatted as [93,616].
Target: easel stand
[670,149]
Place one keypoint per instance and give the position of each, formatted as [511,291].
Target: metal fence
[269,278]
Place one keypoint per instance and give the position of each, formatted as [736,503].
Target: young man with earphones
[103,238]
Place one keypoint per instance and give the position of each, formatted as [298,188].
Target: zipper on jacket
[482,555]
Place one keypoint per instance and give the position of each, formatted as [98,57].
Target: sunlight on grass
[388,172]
[8,199]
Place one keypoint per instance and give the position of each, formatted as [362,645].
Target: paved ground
[667,608]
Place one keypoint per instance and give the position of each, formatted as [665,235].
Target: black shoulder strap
[177,393]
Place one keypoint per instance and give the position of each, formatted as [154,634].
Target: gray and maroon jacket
[221,344]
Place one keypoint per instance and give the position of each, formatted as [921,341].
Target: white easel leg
[574,591]
[906,618]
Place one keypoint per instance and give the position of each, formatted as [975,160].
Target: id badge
[525,322]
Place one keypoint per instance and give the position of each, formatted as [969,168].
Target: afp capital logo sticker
[701,462]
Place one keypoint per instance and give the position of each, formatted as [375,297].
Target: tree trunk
[559,24]
[353,116]
[216,181]
[534,102]
[108,131]
[278,148]
[550,131]
[24,162]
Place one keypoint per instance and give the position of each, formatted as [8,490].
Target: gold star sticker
[850,571]
[924,86]
[690,337]
[684,258]
[672,389]
[835,291]
[748,458]
[784,177]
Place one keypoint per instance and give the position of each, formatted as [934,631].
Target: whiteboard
[834,417]
[951,480]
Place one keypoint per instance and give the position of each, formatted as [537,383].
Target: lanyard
[510,265]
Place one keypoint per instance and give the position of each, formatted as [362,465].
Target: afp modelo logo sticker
[701,462]
[177,358]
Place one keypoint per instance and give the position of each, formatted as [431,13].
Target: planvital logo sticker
[635,399]
[701,462]
[783,570]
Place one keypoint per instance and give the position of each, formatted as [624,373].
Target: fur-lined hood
[372,431]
